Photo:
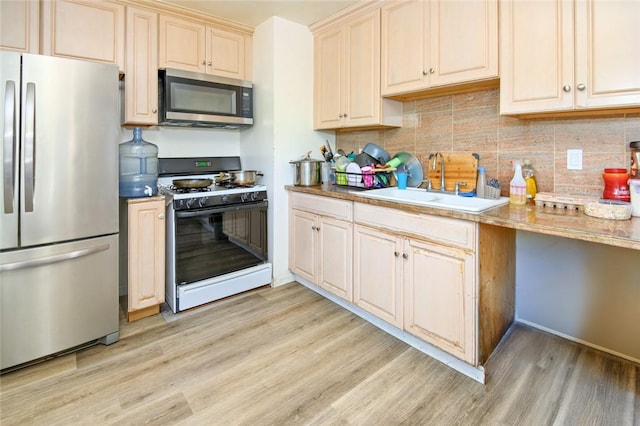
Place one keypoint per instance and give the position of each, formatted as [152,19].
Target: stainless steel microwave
[191,99]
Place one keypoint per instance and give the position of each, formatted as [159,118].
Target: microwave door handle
[9,146]
[29,148]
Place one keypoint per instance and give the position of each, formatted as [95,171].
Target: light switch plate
[574,159]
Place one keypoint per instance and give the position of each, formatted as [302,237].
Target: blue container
[138,167]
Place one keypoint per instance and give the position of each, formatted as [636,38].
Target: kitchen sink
[434,199]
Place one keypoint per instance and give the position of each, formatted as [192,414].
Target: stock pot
[307,172]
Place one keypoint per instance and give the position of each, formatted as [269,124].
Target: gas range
[214,195]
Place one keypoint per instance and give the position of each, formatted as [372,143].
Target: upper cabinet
[436,43]
[141,68]
[193,46]
[586,58]
[82,29]
[19,26]
[347,76]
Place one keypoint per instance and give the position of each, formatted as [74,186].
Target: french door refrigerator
[58,207]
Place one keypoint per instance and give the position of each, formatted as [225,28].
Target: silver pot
[244,177]
[307,172]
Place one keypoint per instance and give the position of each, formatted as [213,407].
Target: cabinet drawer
[442,230]
[339,209]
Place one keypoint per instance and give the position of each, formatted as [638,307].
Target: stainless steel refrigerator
[59,206]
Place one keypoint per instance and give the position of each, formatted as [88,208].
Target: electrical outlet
[574,159]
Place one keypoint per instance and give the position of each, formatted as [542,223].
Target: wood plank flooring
[287,356]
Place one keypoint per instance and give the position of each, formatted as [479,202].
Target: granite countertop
[620,233]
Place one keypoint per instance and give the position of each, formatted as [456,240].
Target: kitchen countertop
[619,233]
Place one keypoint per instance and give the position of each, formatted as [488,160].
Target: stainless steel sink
[421,197]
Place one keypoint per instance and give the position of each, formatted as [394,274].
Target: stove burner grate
[230,185]
[188,190]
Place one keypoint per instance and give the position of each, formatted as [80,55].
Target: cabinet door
[405,46]
[82,29]
[536,65]
[20,26]
[303,243]
[181,44]
[439,297]
[607,53]
[336,257]
[225,53]
[141,68]
[377,275]
[362,61]
[464,41]
[146,254]
[329,79]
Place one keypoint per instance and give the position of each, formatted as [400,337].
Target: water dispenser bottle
[138,167]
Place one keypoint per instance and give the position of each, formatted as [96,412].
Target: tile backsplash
[471,122]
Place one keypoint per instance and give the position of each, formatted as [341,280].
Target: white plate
[354,176]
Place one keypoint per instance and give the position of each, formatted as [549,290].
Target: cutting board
[457,168]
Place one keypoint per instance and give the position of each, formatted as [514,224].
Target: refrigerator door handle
[9,146]
[29,148]
[53,259]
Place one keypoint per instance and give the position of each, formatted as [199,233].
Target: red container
[616,184]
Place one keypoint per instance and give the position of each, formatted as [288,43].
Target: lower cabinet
[142,255]
[449,282]
[320,245]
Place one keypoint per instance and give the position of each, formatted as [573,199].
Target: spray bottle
[518,187]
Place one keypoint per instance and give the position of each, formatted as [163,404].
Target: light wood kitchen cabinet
[194,46]
[377,273]
[417,272]
[20,26]
[141,69]
[347,76]
[81,29]
[578,64]
[428,44]
[321,241]
[142,255]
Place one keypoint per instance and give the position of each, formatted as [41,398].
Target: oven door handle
[207,212]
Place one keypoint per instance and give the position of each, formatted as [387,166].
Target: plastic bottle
[138,167]
[518,187]
[481,184]
[530,180]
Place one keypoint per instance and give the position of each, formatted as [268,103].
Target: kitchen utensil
[377,152]
[354,176]
[244,177]
[191,183]
[457,168]
[364,159]
[402,180]
[414,168]
[307,172]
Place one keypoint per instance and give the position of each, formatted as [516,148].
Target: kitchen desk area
[535,250]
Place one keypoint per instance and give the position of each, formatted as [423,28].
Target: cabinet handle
[566,88]
[204,63]
[581,87]
[340,115]
[396,254]
[209,63]
[318,228]
[313,227]
[161,216]
[153,111]
[405,256]
[432,70]
[345,115]
[425,72]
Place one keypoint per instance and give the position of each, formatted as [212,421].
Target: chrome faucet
[434,167]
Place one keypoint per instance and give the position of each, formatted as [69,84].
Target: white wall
[283,129]
[584,291]
[180,142]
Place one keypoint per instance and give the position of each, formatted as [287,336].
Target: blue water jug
[138,167]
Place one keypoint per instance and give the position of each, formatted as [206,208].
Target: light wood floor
[287,356]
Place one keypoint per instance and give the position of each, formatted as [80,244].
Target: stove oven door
[217,241]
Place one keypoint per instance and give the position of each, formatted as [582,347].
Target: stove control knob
[190,202]
[225,199]
[254,196]
[202,201]
[244,196]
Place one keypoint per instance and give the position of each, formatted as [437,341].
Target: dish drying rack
[377,178]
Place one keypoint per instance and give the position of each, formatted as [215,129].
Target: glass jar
[616,185]
[635,159]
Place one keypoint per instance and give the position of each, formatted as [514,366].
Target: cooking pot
[307,172]
[244,177]
[192,183]
[377,152]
